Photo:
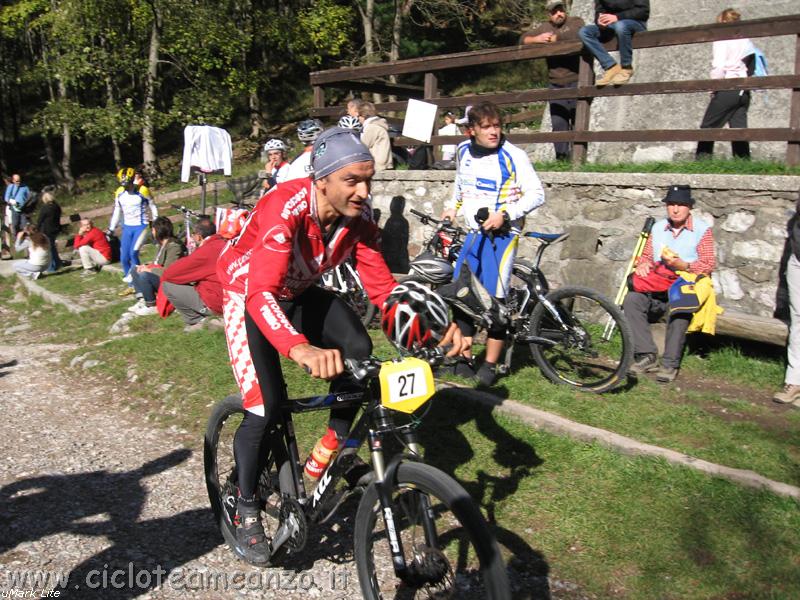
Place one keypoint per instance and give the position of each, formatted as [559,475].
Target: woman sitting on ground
[38,247]
[147,278]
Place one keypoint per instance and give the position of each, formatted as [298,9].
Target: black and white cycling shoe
[251,541]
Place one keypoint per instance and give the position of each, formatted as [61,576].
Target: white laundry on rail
[207,149]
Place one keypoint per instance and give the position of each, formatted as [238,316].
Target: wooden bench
[752,327]
[737,325]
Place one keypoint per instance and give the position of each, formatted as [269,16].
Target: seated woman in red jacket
[92,246]
[191,283]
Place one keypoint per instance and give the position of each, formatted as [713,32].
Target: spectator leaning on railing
[728,106]
[562,71]
[620,18]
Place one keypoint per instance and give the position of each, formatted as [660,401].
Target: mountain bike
[344,281]
[418,533]
[565,329]
[187,228]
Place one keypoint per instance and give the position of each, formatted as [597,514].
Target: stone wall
[604,213]
[769,108]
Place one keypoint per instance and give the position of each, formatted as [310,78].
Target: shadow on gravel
[109,505]
[6,365]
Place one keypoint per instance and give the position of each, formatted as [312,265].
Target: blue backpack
[757,64]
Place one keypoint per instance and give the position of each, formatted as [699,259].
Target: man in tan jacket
[375,136]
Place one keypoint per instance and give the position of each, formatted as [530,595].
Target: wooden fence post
[431,90]
[582,114]
[793,148]
[319,96]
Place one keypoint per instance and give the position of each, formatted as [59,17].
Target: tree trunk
[401,10]
[55,170]
[257,128]
[368,24]
[150,158]
[66,137]
[111,102]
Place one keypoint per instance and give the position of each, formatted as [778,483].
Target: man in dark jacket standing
[562,70]
[621,18]
[191,283]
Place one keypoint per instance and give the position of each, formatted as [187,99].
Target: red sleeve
[268,266]
[199,265]
[706,260]
[80,240]
[371,266]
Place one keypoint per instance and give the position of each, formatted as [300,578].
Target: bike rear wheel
[221,478]
[462,562]
[579,354]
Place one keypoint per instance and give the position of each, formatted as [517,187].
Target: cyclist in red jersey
[271,305]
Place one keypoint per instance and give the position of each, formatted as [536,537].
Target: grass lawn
[614,526]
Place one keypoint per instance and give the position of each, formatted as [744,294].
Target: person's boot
[623,77]
[609,75]
[250,536]
[645,363]
[487,374]
[790,394]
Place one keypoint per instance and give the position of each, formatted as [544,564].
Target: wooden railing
[363,79]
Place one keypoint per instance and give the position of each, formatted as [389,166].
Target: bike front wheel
[449,550]
[574,346]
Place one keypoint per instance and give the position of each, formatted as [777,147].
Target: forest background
[89,85]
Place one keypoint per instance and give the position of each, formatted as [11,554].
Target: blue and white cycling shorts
[491,264]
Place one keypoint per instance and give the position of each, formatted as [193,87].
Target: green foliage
[325,29]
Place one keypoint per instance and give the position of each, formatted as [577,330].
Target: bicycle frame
[373,424]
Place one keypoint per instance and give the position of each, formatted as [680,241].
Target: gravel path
[87,490]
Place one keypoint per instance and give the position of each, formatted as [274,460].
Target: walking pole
[623,286]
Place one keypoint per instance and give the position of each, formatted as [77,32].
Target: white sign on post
[420,118]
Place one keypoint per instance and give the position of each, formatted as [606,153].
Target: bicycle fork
[385,477]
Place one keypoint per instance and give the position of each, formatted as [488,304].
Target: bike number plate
[406,385]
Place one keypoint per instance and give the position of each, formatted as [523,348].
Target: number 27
[409,380]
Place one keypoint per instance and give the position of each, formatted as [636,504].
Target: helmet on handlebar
[414,317]
[125,175]
[309,130]
[432,269]
[350,122]
[275,144]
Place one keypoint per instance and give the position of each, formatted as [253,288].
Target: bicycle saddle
[547,238]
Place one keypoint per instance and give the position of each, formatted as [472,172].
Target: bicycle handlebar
[443,224]
[184,210]
[368,368]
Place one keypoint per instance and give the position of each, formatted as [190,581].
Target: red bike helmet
[414,317]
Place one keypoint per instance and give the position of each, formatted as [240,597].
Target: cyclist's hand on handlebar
[448,214]
[324,363]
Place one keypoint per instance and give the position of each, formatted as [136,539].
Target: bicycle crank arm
[286,531]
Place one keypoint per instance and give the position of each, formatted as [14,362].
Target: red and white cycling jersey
[281,251]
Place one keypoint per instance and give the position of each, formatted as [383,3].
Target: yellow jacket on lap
[705,319]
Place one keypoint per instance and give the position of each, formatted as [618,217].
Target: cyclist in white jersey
[494,175]
[307,132]
[131,208]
